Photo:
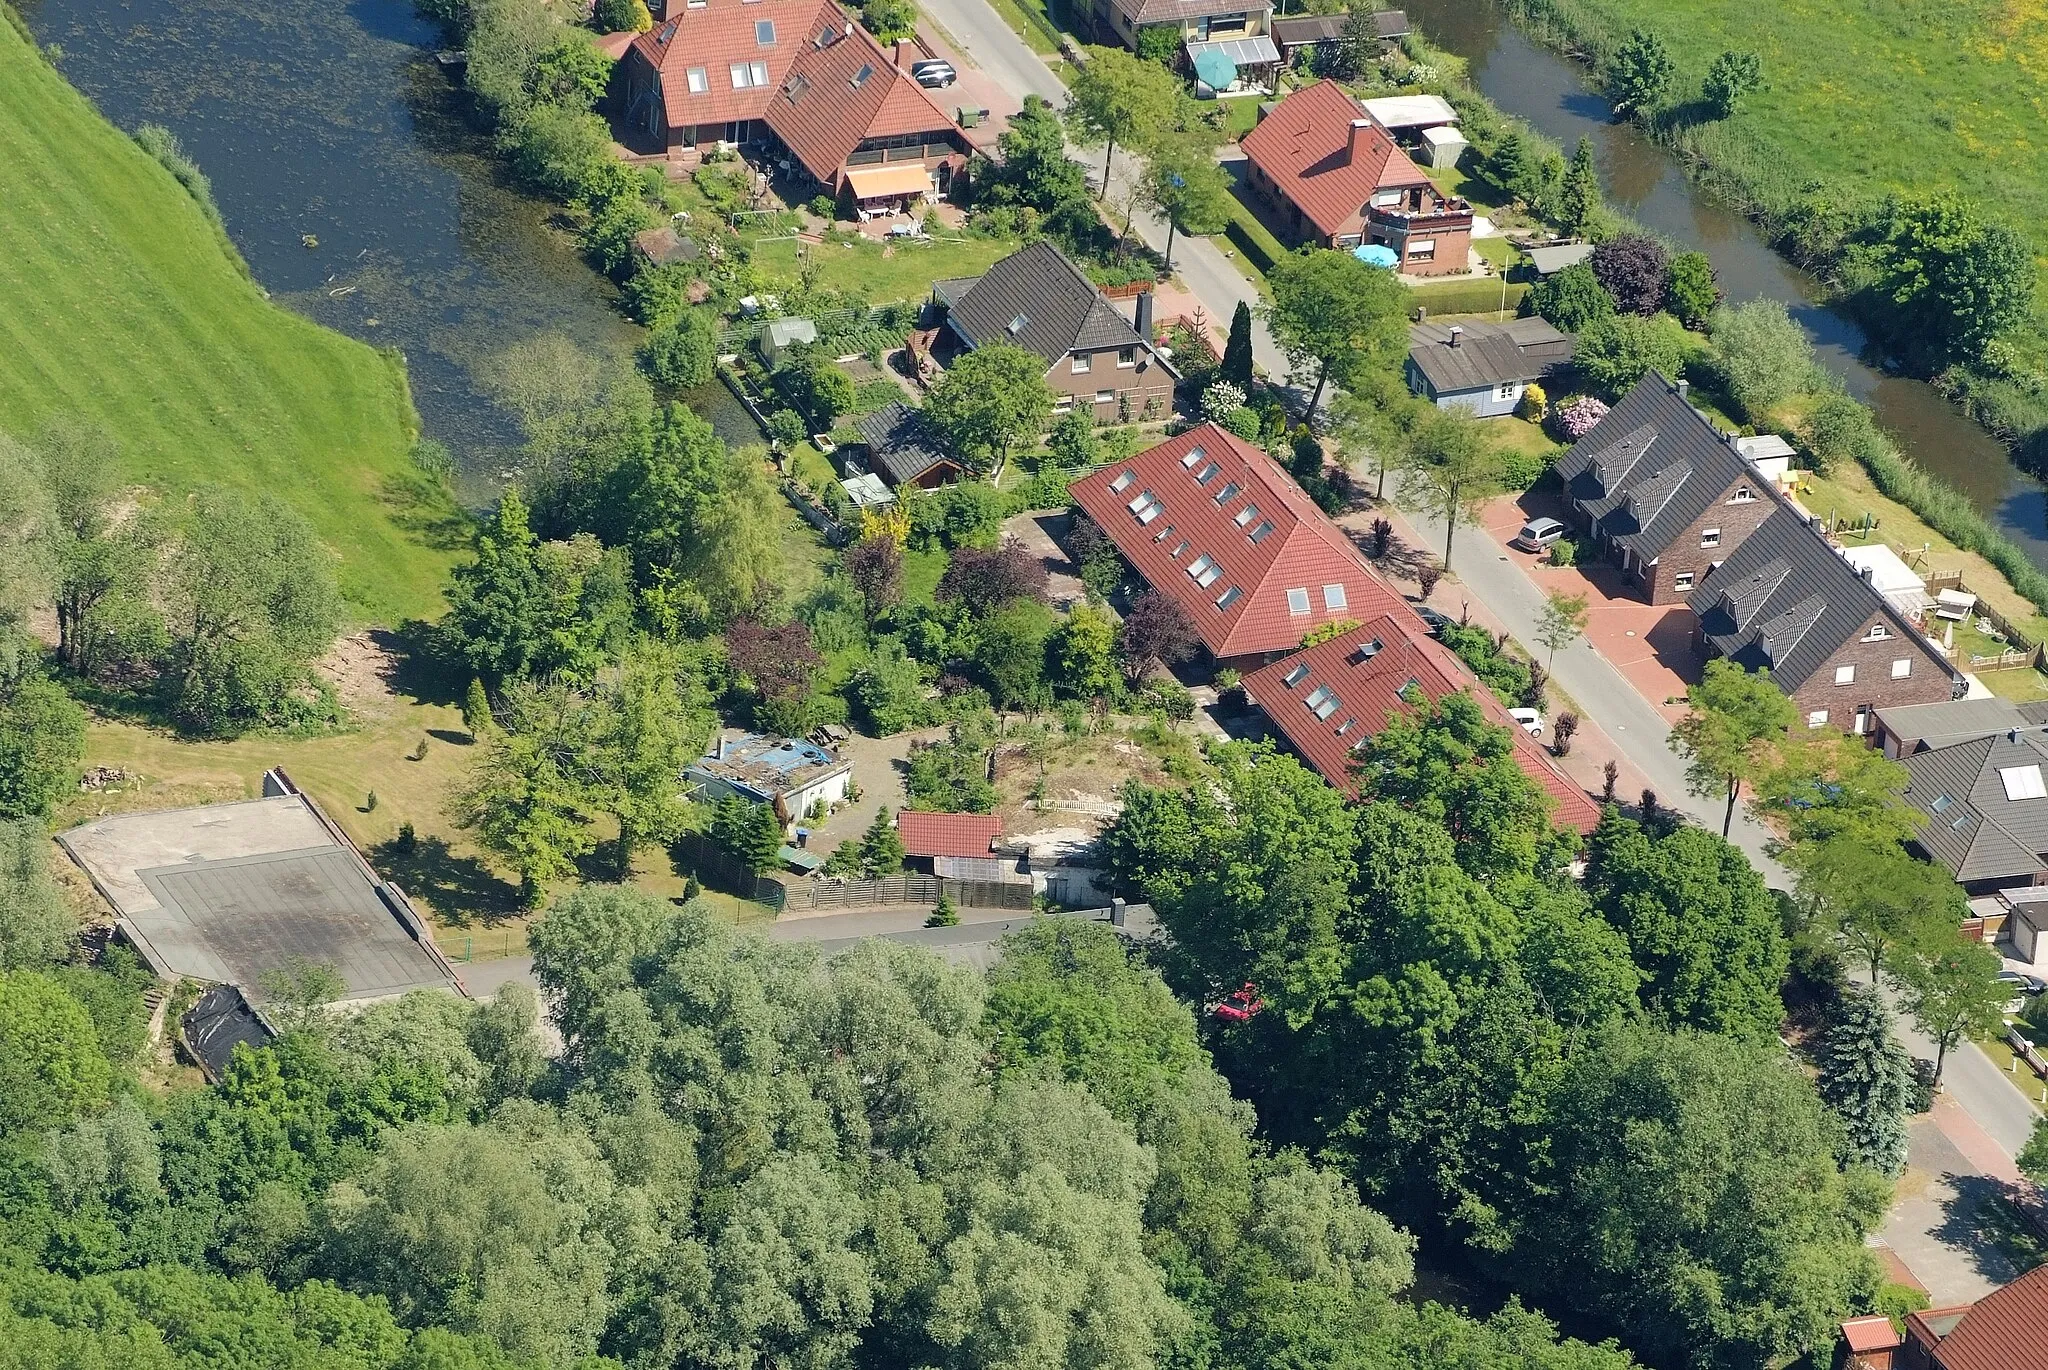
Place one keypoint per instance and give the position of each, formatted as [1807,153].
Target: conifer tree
[881,847]
[1237,350]
[1866,1078]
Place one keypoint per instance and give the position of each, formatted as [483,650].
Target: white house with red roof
[1215,525]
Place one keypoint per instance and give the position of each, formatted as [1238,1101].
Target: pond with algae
[357,183]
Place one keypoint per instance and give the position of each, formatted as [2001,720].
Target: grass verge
[885,272]
[120,304]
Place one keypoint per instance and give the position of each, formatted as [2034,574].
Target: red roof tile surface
[1305,147]
[947,834]
[1246,528]
[2006,1329]
[717,35]
[825,105]
[1367,686]
[1873,1333]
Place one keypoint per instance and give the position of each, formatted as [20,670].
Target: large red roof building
[1339,180]
[1328,699]
[801,76]
[1212,523]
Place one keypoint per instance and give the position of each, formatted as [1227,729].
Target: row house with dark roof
[795,77]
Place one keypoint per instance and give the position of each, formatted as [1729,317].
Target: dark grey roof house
[1661,491]
[1923,727]
[902,447]
[1985,804]
[1483,367]
[1038,300]
[1324,30]
[1786,600]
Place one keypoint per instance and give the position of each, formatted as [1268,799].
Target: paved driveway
[1654,647]
[1945,1218]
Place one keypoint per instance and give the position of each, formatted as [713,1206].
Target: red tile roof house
[1328,699]
[1212,523]
[1338,179]
[2007,1329]
[958,846]
[795,75]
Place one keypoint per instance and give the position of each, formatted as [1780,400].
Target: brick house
[1661,492]
[1337,179]
[1786,599]
[1210,522]
[2007,1329]
[1326,700]
[795,77]
[1095,358]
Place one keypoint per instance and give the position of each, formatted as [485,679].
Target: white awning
[1245,52]
[1410,111]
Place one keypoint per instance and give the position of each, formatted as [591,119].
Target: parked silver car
[1538,534]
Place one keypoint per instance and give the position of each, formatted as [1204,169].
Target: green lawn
[1864,97]
[885,272]
[119,302]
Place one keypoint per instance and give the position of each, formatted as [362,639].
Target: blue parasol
[1215,70]
[1376,254]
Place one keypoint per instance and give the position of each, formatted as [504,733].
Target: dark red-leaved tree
[981,581]
[875,566]
[777,662]
[1155,633]
[1631,267]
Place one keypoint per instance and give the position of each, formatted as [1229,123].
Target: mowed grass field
[120,303]
[1865,97]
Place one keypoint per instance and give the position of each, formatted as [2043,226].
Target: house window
[1297,601]
[1422,250]
[1146,506]
[1294,677]
[764,32]
[1122,482]
[700,81]
[1817,719]
[1845,675]
[1245,515]
[1682,581]
[1506,390]
[1207,473]
[1163,534]
[1127,356]
[1260,533]
[746,75]
[2022,782]
[1228,597]
[1902,668]
[1333,597]
[1205,571]
[1743,495]
[1228,493]
[1187,463]
[1178,548]
[1387,197]
[1710,537]
[1321,701]
[1105,397]
[860,78]
[1878,633]
[1083,361]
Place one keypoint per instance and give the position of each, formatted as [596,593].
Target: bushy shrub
[680,351]
[1534,403]
[1520,470]
[1576,417]
[1615,353]
[1244,422]
[1571,299]
[1564,552]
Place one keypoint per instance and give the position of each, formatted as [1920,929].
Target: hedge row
[1468,297]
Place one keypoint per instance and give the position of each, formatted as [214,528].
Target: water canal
[1551,93]
[334,123]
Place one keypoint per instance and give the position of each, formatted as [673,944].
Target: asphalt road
[1481,564]
[982,37]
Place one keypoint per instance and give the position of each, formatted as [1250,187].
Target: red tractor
[1241,1005]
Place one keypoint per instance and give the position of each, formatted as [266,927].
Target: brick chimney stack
[1457,336]
[906,53]
[1358,127]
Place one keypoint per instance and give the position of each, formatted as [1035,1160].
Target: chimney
[1734,439]
[1116,913]
[1457,335]
[1358,126]
[1143,320]
[1683,389]
[906,53]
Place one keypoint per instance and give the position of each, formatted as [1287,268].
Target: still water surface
[1550,92]
[334,122]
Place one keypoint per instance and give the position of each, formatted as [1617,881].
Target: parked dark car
[933,73]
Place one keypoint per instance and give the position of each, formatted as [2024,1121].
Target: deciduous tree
[1732,76]
[1631,268]
[1155,633]
[1336,314]
[1762,354]
[1950,987]
[1562,622]
[982,581]
[1617,352]
[1735,717]
[1640,73]
[36,927]
[1572,298]
[1188,189]
[1452,467]
[989,400]
[1690,290]
[1119,97]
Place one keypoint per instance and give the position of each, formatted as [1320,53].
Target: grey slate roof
[1038,300]
[1487,354]
[902,444]
[1971,826]
[1922,726]
[1787,600]
[1655,446]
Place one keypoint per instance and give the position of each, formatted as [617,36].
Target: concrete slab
[114,851]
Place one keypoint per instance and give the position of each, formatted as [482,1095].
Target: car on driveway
[1431,619]
[2029,985]
[1531,721]
[934,73]
[1538,534]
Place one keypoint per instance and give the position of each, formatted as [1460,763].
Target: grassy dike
[121,303]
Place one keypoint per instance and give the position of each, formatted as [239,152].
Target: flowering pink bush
[1576,416]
